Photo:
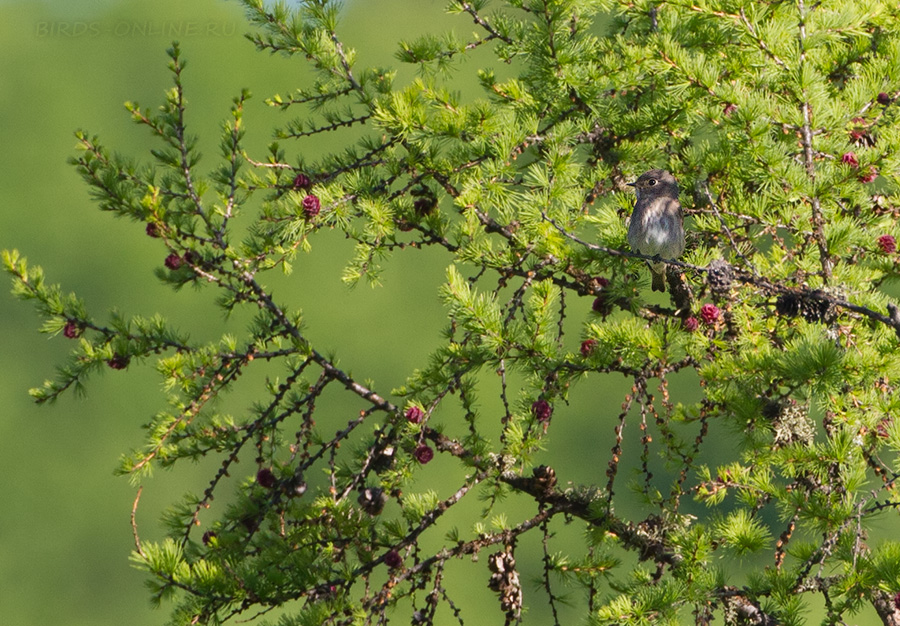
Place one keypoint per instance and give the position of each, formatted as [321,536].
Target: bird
[657,222]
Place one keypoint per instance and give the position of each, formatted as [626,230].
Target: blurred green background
[64,518]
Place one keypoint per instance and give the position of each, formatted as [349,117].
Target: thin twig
[134,530]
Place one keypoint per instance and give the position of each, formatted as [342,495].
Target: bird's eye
[651,182]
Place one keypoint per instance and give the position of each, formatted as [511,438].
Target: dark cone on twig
[815,310]
[788,305]
[505,581]
[812,307]
[372,500]
[719,276]
[545,477]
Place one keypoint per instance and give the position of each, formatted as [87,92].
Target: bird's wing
[673,207]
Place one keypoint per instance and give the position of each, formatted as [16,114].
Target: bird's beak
[631,184]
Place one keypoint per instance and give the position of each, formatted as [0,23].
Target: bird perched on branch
[657,222]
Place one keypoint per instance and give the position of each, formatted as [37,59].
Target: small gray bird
[657,223]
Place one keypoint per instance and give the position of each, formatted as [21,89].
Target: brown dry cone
[657,222]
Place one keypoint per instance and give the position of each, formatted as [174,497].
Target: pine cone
[815,310]
[544,476]
[719,276]
[505,581]
[372,500]
[812,307]
[788,305]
